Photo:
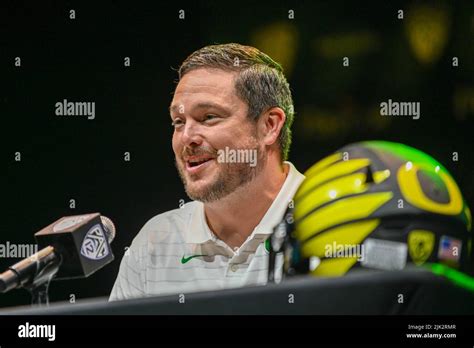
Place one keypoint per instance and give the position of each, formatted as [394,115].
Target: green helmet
[375,205]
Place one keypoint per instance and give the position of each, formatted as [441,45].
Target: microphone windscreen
[109,228]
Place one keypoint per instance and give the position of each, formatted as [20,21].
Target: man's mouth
[197,163]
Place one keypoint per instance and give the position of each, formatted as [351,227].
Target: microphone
[72,247]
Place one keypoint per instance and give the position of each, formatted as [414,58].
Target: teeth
[199,161]
[194,163]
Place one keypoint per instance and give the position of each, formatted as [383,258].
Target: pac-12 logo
[94,246]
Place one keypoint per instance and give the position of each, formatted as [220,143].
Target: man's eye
[209,117]
[177,122]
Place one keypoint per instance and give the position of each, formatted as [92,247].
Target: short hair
[260,81]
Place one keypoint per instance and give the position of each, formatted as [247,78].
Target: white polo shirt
[176,252]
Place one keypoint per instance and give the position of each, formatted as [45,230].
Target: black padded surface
[362,293]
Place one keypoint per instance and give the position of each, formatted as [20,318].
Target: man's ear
[270,124]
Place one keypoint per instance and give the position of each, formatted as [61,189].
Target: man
[232,111]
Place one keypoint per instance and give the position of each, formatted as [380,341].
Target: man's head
[229,97]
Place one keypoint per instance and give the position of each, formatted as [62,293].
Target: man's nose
[191,135]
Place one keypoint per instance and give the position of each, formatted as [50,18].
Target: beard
[228,177]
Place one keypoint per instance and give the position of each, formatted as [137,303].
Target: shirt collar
[198,231]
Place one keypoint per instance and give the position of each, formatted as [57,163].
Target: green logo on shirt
[186,259]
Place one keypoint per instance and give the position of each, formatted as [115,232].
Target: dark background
[67,158]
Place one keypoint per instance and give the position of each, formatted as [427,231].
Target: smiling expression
[207,115]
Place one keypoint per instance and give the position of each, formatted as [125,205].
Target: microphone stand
[39,286]
[33,274]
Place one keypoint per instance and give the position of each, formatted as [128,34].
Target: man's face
[208,116]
